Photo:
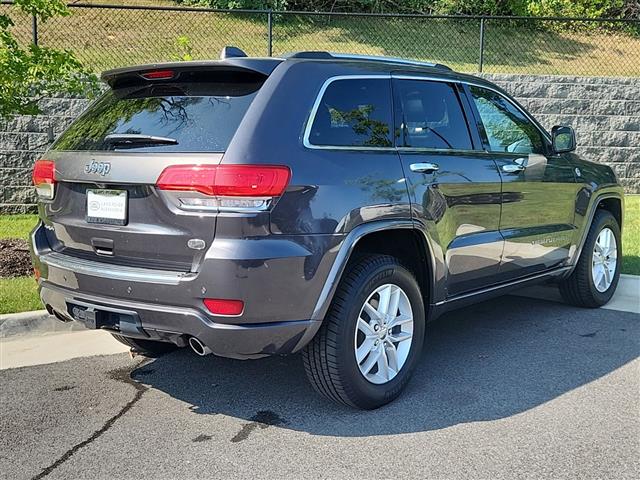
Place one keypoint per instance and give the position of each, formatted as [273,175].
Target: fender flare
[593,207]
[344,254]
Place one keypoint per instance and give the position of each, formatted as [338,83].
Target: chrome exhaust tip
[61,317]
[199,347]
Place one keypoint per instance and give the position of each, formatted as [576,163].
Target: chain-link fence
[105,37]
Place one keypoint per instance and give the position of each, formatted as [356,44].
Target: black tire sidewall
[362,392]
[602,221]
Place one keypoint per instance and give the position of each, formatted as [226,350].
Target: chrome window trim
[316,105]
[533,121]
[330,80]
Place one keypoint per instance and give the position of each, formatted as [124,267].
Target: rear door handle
[424,167]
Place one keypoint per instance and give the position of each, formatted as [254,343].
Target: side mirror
[563,139]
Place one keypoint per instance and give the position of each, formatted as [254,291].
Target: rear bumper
[280,285]
[176,325]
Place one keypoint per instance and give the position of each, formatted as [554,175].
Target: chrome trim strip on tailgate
[112,272]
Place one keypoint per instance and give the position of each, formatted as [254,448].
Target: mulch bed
[14,258]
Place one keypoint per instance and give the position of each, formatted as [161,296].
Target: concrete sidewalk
[626,298]
[40,349]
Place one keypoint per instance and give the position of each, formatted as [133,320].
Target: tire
[148,348]
[330,358]
[579,288]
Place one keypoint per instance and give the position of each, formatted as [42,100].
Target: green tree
[29,73]
[239,4]
[575,8]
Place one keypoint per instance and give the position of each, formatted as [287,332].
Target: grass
[121,37]
[17,226]
[20,294]
[631,236]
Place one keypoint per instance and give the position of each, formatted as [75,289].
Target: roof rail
[321,55]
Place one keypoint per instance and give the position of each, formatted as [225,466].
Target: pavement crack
[121,375]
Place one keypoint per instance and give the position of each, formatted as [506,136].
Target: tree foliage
[29,73]
[573,8]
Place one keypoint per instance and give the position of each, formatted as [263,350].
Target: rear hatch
[106,206]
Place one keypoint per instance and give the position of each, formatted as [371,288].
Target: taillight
[244,187]
[251,181]
[44,178]
[195,178]
[158,75]
[224,307]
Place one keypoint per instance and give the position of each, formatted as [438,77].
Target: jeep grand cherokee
[322,203]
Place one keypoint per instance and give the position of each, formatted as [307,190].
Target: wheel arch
[398,238]
[613,202]
[614,205]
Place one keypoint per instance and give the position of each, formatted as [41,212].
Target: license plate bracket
[84,314]
[107,206]
[98,317]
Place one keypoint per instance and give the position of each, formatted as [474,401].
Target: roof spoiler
[167,72]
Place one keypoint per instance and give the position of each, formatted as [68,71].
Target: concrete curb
[22,316]
[38,321]
[23,322]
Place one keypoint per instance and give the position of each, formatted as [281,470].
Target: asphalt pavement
[511,388]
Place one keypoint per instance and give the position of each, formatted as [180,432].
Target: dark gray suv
[322,203]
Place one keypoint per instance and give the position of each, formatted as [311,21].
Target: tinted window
[430,116]
[199,117]
[506,127]
[354,112]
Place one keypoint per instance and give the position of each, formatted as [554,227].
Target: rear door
[454,187]
[106,206]
[538,189]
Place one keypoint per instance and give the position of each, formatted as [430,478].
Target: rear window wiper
[138,139]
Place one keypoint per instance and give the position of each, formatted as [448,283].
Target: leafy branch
[27,74]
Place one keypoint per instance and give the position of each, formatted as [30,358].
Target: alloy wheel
[383,335]
[604,260]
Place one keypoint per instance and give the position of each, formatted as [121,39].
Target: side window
[354,113]
[506,127]
[430,115]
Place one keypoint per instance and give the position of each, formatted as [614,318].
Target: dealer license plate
[107,206]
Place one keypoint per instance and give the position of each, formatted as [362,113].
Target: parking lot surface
[511,388]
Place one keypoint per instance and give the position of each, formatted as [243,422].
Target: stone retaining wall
[604,111]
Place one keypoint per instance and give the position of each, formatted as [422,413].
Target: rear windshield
[196,117]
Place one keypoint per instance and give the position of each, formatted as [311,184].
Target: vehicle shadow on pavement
[484,362]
